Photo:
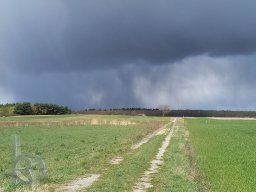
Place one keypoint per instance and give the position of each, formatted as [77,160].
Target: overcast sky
[197,54]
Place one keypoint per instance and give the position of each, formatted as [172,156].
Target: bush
[7,109]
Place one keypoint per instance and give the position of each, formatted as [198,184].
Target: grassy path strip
[150,136]
[175,174]
[144,182]
[122,177]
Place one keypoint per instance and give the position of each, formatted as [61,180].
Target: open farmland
[133,153]
[225,153]
[74,145]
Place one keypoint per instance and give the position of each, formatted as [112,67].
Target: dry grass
[111,122]
[67,123]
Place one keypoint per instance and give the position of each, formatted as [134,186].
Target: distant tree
[27,108]
[23,109]
[165,109]
[50,109]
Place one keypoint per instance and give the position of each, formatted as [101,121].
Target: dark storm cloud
[82,34]
[100,89]
[111,53]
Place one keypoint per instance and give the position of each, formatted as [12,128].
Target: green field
[203,154]
[225,151]
[71,150]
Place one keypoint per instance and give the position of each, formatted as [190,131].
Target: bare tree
[165,109]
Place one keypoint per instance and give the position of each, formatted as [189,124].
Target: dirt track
[144,182]
[87,181]
[150,136]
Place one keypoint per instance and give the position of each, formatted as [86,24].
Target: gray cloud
[101,89]
[126,53]
[67,35]
[199,82]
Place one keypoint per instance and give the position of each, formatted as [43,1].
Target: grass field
[71,150]
[202,155]
[123,177]
[225,151]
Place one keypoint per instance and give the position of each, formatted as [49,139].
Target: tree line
[27,108]
[211,113]
[169,112]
